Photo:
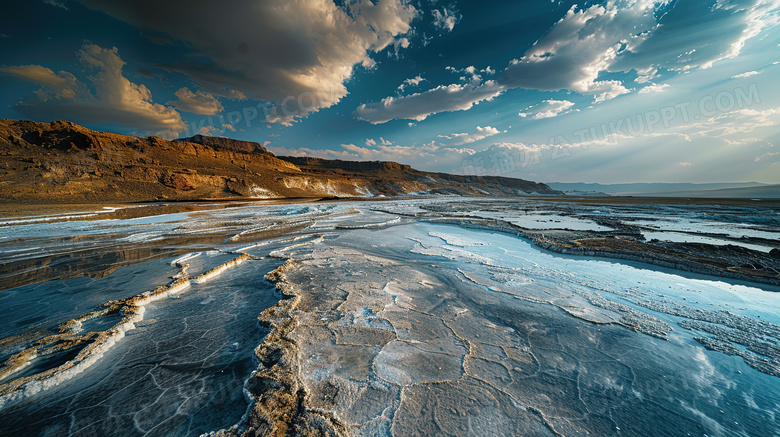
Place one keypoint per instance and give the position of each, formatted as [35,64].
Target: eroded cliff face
[64,162]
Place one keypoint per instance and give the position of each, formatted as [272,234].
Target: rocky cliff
[64,162]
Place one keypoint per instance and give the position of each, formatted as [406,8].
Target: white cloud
[745,74]
[272,50]
[684,164]
[547,109]
[56,4]
[696,33]
[606,90]
[768,155]
[571,56]
[390,152]
[582,45]
[313,153]
[646,75]
[435,156]
[400,43]
[236,95]
[419,106]
[654,88]
[430,156]
[353,152]
[506,159]
[613,37]
[199,102]
[414,81]
[464,138]
[114,99]
[445,19]
[471,73]
[370,142]
[741,121]
[327,154]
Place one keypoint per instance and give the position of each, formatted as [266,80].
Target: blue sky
[617,91]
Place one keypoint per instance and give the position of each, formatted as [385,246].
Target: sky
[552,91]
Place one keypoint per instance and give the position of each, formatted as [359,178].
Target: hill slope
[64,162]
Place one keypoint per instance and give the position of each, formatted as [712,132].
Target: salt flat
[397,317]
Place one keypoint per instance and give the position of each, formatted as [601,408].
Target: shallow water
[734,230]
[535,220]
[180,372]
[680,237]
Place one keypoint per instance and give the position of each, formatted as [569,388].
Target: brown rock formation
[62,162]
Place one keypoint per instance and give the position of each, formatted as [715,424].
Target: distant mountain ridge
[63,162]
[739,190]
